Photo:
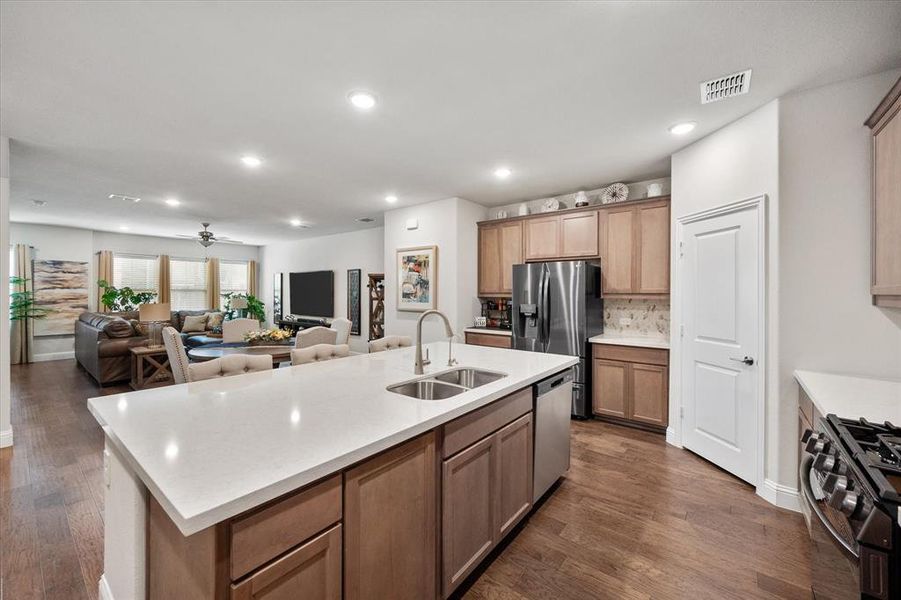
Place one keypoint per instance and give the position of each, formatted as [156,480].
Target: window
[136,271]
[187,278]
[232,278]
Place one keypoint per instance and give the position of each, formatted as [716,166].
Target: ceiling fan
[206,238]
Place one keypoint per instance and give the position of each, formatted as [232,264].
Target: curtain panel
[104,272]
[22,330]
[164,284]
[212,283]
[252,278]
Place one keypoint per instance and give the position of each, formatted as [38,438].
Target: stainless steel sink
[468,377]
[426,389]
[447,384]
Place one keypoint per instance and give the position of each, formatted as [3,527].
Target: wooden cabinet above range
[631,240]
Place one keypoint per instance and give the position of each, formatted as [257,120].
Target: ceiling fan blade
[182,235]
[229,241]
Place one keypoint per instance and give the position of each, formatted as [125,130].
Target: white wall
[340,252]
[737,162]
[6,432]
[451,225]
[827,320]
[69,243]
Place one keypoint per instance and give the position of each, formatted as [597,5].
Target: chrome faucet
[420,363]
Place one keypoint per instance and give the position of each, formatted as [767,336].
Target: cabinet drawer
[489,339]
[469,429]
[261,536]
[648,356]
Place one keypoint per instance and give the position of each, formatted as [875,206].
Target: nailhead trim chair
[312,336]
[342,327]
[234,330]
[390,342]
[319,353]
[184,371]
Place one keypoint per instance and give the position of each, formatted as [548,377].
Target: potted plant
[255,308]
[122,299]
[21,302]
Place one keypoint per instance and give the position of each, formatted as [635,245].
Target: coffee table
[278,353]
[149,367]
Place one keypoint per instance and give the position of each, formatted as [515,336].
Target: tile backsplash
[634,316]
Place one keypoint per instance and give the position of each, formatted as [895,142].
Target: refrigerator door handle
[545,308]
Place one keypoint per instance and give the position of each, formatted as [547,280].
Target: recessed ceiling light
[172,201]
[391,199]
[251,161]
[682,128]
[124,197]
[295,223]
[361,99]
[502,172]
[124,227]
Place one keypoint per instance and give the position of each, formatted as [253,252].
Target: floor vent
[721,88]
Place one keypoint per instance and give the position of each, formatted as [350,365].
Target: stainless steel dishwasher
[553,404]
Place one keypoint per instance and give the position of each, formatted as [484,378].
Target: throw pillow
[194,324]
[139,327]
[117,327]
[214,320]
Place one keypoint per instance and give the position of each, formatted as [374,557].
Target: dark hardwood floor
[634,519]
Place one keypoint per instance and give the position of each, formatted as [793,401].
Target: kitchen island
[227,487]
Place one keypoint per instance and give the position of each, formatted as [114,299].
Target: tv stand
[296,324]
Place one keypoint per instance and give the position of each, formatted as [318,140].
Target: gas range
[851,494]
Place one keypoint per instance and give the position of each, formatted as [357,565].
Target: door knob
[747,360]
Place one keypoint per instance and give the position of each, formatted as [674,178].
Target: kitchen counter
[210,450]
[633,340]
[876,400]
[489,331]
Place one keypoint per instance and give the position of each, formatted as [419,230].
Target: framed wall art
[417,278]
[353,299]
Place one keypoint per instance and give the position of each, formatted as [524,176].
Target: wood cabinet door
[542,236]
[579,234]
[312,571]
[653,245]
[510,254]
[610,394]
[887,210]
[469,510]
[617,229]
[390,523]
[514,479]
[489,260]
[489,339]
[649,398]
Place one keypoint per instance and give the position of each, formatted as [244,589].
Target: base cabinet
[491,340]
[312,572]
[487,490]
[390,524]
[630,385]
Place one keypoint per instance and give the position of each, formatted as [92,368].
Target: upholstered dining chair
[318,353]
[234,330]
[342,327]
[315,335]
[183,371]
[390,342]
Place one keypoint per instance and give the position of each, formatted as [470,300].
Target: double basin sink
[447,384]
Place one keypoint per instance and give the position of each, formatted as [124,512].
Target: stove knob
[808,433]
[824,463]
[817,444]
[845,500]
[835,484]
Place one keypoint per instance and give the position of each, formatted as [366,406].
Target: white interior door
[721,316]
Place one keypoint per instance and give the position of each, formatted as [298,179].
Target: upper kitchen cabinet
[542,237]
[885,123]
[500,247]
[634,241]
[579,234]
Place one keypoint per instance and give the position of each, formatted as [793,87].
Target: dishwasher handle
[546,385]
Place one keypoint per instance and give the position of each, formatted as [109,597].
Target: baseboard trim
[54,356]
[103,587]
[672,439]
[6,438]
[783,496]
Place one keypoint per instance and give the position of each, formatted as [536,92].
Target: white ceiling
[159,99]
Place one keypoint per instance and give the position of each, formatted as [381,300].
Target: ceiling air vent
[365,219]
[721,88]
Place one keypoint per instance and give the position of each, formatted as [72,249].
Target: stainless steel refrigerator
[557,306]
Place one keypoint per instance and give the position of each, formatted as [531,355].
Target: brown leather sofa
[103,340]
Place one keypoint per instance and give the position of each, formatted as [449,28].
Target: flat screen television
[312,293]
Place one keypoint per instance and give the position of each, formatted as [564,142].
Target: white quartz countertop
[641,341]
[489,331]
[875,400]
[210,450]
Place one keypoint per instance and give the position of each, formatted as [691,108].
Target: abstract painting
[353,299]
[60,286]
[417,278]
